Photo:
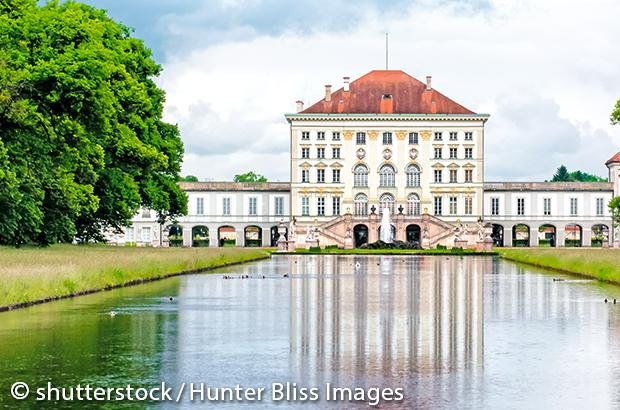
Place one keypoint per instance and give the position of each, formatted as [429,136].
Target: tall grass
[601,264]
[32,274]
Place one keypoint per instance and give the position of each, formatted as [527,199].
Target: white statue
[480,231]
[291,229]
[459,230]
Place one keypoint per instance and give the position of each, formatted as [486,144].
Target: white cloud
[545,71]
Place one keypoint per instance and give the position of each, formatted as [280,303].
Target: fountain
[385,231]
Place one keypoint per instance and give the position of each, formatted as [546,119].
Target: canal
[450,331]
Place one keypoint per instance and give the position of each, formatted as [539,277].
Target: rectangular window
[200,206]
[438,136]
[320,153]
[305,175]
[387,138]
[130,234]
[453,176]
[336,153]
[453,152]
[520,206]
[360,138]
[469,175]
[279,206]
[305,206]
[437,205]
[226,206]
[573,206]
[336,176]
[547,206]
[252,206]
[600,206]
[437,153]
[320,176]
[452,205]
[320,135]
[438,176]
[305,152]
[305,135]
[413,138]
[495,206]
[336,136]
[469,136]
[320,206]
[469,153]
[452,136]
[146,213]
[469,205]
[336,205]
[146,234]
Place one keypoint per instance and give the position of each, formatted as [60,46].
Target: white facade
[244,214]
[550,213]
[427,144]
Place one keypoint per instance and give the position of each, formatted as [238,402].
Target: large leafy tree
[614,204]
[82,143]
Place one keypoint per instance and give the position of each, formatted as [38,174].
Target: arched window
[360,176]
[413,175]
[361,205]
[387,176]
[386,201]
[413,205]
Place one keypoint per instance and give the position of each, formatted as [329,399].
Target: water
[385,230]
[453,332]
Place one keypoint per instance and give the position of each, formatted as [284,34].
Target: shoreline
[570,261]
[131,282]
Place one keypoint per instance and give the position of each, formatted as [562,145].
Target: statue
[309,233]
[481,230]
[459,230]
[291,229]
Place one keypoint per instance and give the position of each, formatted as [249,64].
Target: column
[559,236]
[533,235]
[187,236]
[507,236]
[586,236]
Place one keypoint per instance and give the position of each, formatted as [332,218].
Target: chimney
[387,104]
[428,83]
[346,83]
[328,92]
[300,105]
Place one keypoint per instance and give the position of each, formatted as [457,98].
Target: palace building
[387,140]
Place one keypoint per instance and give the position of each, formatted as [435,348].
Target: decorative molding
[348,135]
[372,135]
[401,135]
[426,135]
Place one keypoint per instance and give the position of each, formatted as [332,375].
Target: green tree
[614,207]
[615,114]
[82,143]
[561,175]
[189,178]
[581,176]
[249,177]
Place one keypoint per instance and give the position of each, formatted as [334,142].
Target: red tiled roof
[408,95]
[615,158]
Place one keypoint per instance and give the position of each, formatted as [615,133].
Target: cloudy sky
[548,72]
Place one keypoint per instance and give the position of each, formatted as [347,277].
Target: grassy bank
[40,274]
[357,251]
[601,264]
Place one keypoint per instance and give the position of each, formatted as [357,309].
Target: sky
[547,71]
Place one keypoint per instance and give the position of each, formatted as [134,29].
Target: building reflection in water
[394,316]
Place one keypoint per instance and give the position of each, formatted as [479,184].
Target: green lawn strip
[35,275]
[597,263]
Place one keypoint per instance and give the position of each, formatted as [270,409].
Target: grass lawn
[34,274]
[336,251]
[599,263]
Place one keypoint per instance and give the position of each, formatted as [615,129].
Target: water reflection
[473,332]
